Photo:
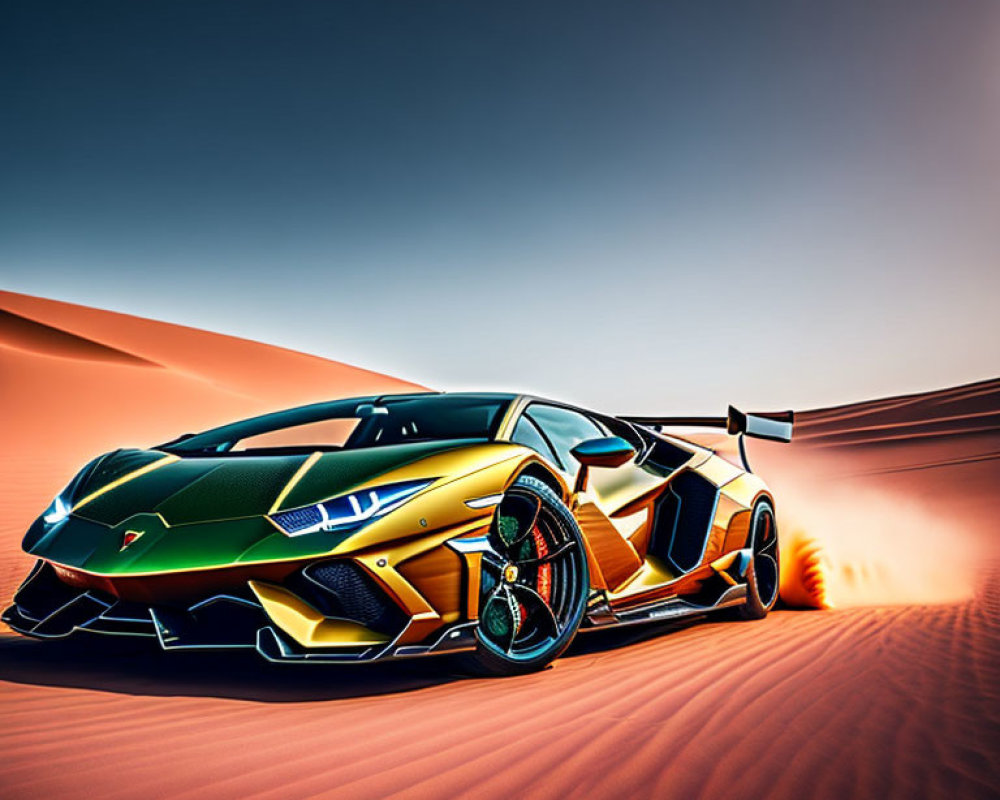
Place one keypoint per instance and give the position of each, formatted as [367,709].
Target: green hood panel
[208,489]
[96,548]
[208,512]
[196,490]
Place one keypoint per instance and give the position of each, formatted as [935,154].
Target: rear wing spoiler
[776,427]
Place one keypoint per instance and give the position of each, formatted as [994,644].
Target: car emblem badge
[130,538]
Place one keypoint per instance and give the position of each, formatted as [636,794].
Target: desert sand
[891,690]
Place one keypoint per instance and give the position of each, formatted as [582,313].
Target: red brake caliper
[544,583]
[544,570]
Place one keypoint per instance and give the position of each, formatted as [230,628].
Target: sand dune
[21,333]
[78,381]
[898,699]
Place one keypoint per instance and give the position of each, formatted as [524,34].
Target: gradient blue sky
[634,206]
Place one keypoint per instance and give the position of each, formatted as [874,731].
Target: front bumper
[273,619]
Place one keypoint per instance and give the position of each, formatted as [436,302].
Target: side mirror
[609,451]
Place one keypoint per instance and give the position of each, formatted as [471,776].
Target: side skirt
[602,616]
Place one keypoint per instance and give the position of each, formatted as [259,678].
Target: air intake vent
[684,520]
[342,589]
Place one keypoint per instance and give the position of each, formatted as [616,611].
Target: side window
[664,455]
[526,433]
[625,431]
[565,429]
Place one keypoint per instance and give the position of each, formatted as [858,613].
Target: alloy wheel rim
[530,586]
[765,556]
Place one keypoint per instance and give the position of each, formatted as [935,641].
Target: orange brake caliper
[544,570]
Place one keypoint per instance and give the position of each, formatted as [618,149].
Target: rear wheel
[534,583]
[762,574]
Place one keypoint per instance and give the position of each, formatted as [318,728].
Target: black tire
[534,584]
[763,572]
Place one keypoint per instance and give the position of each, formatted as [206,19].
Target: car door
[554,431]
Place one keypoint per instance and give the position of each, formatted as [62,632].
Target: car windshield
[353,424]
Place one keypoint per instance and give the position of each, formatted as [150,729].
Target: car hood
[191,489]
[196,512]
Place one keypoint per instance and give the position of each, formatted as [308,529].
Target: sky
[635,206]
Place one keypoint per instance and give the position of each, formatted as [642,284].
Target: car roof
[382,398]
[510,396]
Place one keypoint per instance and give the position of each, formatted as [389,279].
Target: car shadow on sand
[140,667]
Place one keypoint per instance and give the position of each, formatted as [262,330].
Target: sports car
[491,526]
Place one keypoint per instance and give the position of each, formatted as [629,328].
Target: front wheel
[534,583]
[762,574]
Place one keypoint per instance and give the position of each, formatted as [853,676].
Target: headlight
[56,512]
[347,511]
[66,499]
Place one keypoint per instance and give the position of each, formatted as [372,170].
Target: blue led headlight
[61,507]
[347,511]
[56,512]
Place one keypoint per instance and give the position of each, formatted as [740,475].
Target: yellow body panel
[616,488]
[616,558]
[653,579]
[632,524]
[419,528]
[719,471]
[725,508]
[745,489]
[652,575]
[480,471]
[306,625]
